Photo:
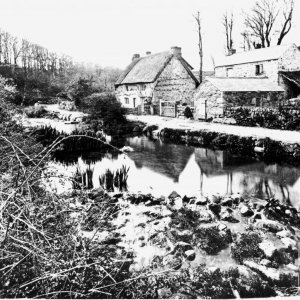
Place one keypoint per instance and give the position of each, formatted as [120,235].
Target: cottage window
[143,87]
[126,100]
[126,87]
[259,69]
[229,72]
[133,102]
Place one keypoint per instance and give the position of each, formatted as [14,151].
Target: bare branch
[198,22]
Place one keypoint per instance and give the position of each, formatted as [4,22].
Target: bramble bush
[287,118]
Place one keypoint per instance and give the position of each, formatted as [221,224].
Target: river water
[159,168]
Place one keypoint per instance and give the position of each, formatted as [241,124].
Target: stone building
[261,77]
[217,93]
[156,83]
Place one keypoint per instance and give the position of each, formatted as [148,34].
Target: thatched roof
[147,69]
[257,55]
[244,84]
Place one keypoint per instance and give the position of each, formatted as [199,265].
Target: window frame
[227,71]
[259,69]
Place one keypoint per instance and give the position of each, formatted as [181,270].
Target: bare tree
[247,41]
[270,18]
[286,26]
[228,25]
[198,22]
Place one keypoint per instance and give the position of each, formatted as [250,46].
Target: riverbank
[181,247]
[285,136]
[94,244]
[249,142]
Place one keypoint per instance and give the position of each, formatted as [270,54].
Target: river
[159,168]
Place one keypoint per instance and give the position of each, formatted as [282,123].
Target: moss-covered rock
[247,247]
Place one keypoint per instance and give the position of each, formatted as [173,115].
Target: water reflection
[160,168]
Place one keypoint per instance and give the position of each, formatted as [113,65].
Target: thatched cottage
[156,83]
[261,77]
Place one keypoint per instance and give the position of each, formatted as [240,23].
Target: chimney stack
[176,51]
[231,52]
[135,56]
[148,52]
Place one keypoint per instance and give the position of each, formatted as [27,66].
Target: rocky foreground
[187,247]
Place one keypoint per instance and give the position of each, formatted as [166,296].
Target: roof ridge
[255,55]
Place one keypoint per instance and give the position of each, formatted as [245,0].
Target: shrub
[105,107]
[286,117]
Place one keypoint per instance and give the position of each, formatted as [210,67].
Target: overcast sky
[109,32]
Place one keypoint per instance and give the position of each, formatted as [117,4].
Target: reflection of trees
[201,182]
[229,183]
[262,189]
[285,196]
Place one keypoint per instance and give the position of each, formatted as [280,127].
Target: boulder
[237,197]
[215,198]
[222,226]
[268,248]
[215,208]
[174,195]
[270,273]
[178,203]
[227,216]
[227,201]
[205,217]
[201,201]
[246,211]
[190,255]
[172,262]
[270,225]
[284,233]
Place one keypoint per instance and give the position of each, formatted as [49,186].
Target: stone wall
[270,70]
[211,95]
[216,101]
[174,84]
[261,99]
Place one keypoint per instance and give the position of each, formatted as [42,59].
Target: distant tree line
[40,74]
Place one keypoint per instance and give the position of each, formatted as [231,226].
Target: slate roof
[243,84]
[257,55]
[147,69]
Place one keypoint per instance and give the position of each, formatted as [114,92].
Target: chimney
[135,56]
[176,51]
[231,52]
[148,52]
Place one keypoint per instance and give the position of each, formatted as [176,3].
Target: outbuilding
[215,94]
